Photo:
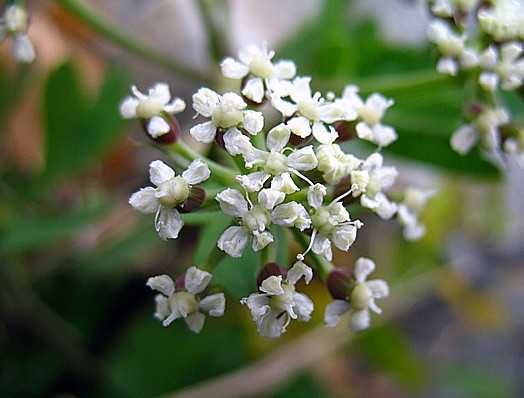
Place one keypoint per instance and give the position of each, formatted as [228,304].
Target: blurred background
[76,318]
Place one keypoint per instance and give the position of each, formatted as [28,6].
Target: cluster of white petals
[279,302]
[170,191]
[186,303]
[14,24]
[360,300]
[152,107]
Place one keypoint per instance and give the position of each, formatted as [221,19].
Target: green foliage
[80,129]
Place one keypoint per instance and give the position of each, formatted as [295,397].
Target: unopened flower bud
[196,197]
[346,130]
[340,282]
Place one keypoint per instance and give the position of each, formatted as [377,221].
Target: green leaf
[33,233]
[210,231]
[237,276]
[79,130]
[390,350]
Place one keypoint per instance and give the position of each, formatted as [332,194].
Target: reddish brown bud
[269,270]
[196,197]
[340,281]
[168,138]
[346,130]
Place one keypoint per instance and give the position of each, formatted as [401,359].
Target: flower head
[155,108]
[254,66]
[279,302]
[186,299]
[360,299]
[169,196]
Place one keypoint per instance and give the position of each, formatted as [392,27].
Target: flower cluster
[484,41]
[14,23]
[296,174]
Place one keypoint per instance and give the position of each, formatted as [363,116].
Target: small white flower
[170,193]
[409,210]
[255,220]
[506,68]
[186,303]
[309,111]
[273,162]
[361,299]
[503,19]
[334,163]
[153,107]
[14,23]
[370,114]
[279,302]
[256,68]
[226,112]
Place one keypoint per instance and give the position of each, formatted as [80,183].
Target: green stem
[209,12]
[105,28]
[223,174]
[213,258]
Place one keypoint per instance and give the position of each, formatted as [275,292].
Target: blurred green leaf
[390,350]
[237,276]
[80,130]
[32,233]
[210,231]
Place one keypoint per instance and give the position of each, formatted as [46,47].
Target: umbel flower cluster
[483,41]
[290,169]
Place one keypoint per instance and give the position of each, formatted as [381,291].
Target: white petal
[196,172]
[168,223]
[254,89]
[300,90]
[285,107]
[176,106]
[162,310]
[322,247]
[233,241]
[284,69]
[233,100]
[160,92]
[278,137]
[162,283]
[253,122]
[363,267]
[364,132]
[205,101]
[269,198]
[378,287]
[23,50]
[261,240]
[464,138]
[334,311]
[300,126]
[196,281]
[232,202]
[272,324]
[303,307]
[160,172]
[128,107]
[323,135]
[272,285]
[258,304]
[303,159]
[291,214]
[195,321]
[383,135]
[233,69]
[284,183]
[360,320]
[214,304]
[253,182]
[344,236]
[298,271]
[157,127]
[144,200]
[204,132]
[315,195]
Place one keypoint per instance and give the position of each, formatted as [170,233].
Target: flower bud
[269,270]
[346,130]
[196,197]
[340,282]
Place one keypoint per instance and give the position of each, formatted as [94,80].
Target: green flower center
[261,67]
[276,164]
[309,109]
[172,192]
[360,297]
[226,116]
[282,301]
[148,108]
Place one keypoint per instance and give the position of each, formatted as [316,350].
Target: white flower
[508,68]
[186,303]
[334,163]
[153,107]
[309,111]
[370,114]
[279,302]
[331,223]
[255,220]
[14,23]
[255,64]
[226,113]
[361,299]
[409,210]
[273,162]
[170,193]
[503,19]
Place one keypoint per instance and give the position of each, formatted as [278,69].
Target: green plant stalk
[106,29]
[221,173]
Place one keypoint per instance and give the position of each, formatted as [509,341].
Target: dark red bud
[346,130]
[340,281]
[197,194]
[180,283]
[269,270]
[169,137]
